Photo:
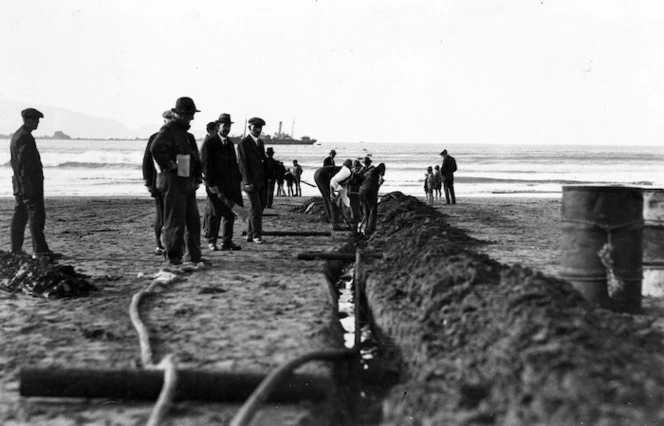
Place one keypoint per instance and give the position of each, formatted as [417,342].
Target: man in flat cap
[150,177]
[28,185]
[447,170]
[251,160]
[176,154]
[222,180]
[329,161]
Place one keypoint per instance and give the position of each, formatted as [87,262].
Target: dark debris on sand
[39,277]
[484,343]
[314,207]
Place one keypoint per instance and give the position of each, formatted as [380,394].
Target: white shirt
[342,175]
[254,138]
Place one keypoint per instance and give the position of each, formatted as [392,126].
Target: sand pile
[483,343]
[38,277]
[314,207]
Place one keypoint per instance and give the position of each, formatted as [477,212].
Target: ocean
[113,168]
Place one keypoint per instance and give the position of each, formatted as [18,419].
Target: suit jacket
[149,171]
[329,161]
[220,167]
[26,163]
[251,161]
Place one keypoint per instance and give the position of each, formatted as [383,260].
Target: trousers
[29,211]
[180,215]
[218,216]
[448,185]
[257,200]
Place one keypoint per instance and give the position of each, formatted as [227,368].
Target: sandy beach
[232,316]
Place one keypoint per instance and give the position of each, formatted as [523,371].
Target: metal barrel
[602,243]
[653,242]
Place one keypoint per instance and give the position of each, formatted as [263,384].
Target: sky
[457,71]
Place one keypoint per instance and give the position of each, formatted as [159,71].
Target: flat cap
[256,121]
[31,113]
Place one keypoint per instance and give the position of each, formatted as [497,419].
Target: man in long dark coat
[222,184]
[251,160]
[28,185]
[447,169]
[176,154]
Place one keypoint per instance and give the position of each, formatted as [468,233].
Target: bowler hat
[185,105]
[31,113]
[444,152]
[333,152]
[256,121]
[167,114]
[269,150]
[225,119]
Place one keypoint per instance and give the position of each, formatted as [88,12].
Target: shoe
[48,255]
[159,251]
[258,241]
[230,247]
[249,239]
[175,261]
[213,247]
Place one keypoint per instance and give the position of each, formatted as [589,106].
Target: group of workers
[350,193]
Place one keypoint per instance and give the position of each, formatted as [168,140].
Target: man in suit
[251,161]
[28,183]
[447,170]
[222,184]
[329,161]
[176,154]
[271,175]
[150,178]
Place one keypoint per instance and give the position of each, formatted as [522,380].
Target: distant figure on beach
[297,172]
[222,185]
[366,165]
[150,178]
[270,176]
[175,151]
[251,159]
[439,182]
[429,183]
[290,179]
[329,161]
[373,179]
[322,177]
[281,171]
[447,169]
[211,129]
[28,186]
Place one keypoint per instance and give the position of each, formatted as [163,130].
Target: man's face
[224,129]
[255,130]
[183,118]
[333,154]
[32,123]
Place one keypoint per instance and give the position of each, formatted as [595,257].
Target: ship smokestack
[280,128]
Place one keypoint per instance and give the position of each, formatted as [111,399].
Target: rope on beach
[168,364]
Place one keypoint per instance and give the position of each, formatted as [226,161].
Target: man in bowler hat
[28,185]
[222,181]
[251,160]
[150,178]
[271,176]
[176,154]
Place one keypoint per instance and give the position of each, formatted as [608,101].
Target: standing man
[251,160]
[176,154]
[447,170]
[329,161]
[297,173]
[271,175]
[28,185]
[222,184]
[150,177]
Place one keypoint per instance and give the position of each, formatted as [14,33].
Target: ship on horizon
[279,138]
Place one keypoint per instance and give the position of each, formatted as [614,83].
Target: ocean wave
[88,165]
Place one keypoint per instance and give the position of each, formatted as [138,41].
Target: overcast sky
[461,71]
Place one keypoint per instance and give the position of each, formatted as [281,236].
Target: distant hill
[74,124]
